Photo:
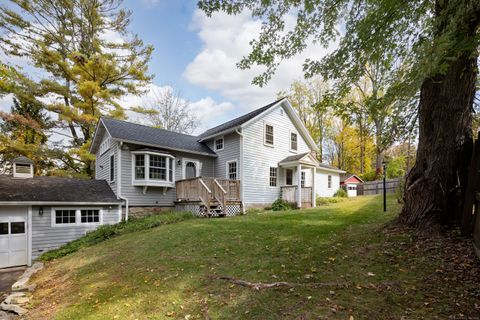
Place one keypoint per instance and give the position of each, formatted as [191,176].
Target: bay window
[153,169]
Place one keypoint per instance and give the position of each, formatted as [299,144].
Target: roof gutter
[56,203]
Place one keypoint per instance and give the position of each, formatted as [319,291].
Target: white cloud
[225,40]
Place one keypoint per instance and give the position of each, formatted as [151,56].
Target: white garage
[13,236]
[38,214]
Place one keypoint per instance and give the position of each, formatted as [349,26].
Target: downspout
[119,179]
[241,169]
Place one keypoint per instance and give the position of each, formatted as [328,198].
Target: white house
[249,161]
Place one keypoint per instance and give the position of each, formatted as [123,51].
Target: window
[158,168]
[293,141]
[232,170]
[112,168]
[302,179]
[139,167]
[329,182]
[170,169]
[65,216]
[273,176]
[152,169]
[289,177]
[3,227]
[104,146]
[17,227]
[219,144]
[22,168]
[269,134]
[90,215]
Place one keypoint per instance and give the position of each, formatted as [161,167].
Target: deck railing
[208,189]
[289,194]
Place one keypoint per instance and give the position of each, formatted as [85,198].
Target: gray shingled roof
[295,157]
[55,189]
[155,137]
[22,160]
[237,121]
[327,166]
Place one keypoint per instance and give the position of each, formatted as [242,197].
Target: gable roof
[22,160]
[237,121]
[304,158]
[56,189]
[154,137]
[348,175]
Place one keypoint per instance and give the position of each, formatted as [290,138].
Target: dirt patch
[7,278]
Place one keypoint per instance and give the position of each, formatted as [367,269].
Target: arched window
[190,170]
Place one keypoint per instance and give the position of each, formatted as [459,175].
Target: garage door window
[17,227]
[3,227]
[65,216]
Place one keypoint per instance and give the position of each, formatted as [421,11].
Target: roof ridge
[246,115]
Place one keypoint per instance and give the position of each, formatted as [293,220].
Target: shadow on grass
[170,272]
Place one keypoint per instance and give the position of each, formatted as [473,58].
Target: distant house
[249,161]
[38,214]
[350,181]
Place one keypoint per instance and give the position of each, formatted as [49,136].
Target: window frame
[329,181]
[104,146]
[112,166]
[147,181]
[303,179]
[275,177]
[265,124]
[198,167]
[78,217]
[215,143]
[227,169]
[296,141]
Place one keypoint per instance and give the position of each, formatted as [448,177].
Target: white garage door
[13,238]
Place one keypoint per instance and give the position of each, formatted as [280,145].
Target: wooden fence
[376,187]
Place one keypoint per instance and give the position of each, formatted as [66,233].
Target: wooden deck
[289,194]
[213,193]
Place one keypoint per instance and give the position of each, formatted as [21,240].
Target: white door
[13,238]
[351,190]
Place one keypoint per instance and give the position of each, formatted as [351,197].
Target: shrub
[321,201]
[106,232]
[282,205]
[341,193]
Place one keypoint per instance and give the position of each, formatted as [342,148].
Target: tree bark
[435,185]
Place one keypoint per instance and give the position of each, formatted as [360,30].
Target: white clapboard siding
[102,163]
[154,196]
[258,158]
[322,183]
[45,237]
[231,151]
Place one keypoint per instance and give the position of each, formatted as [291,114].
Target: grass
[342,261]
[109,231]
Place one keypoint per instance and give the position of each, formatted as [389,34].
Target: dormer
[22,168]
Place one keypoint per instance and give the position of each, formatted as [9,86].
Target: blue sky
[197,56]
[167,25]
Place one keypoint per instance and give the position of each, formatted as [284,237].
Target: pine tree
[82,73]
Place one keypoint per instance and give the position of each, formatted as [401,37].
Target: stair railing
[219,194]
[204,194]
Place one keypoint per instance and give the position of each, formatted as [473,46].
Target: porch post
[299,186]
[314,187]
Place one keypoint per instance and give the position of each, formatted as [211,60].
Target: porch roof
[300,159]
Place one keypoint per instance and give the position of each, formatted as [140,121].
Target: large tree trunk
[435,185]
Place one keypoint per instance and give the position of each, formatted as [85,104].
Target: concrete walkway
[8,277]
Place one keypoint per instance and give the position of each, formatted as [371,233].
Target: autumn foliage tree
[86,61]
[437,43]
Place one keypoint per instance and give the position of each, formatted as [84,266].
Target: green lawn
[338,258]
